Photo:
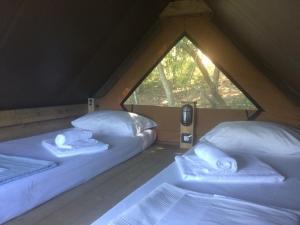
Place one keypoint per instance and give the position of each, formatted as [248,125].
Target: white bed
[21,195]
[284,195]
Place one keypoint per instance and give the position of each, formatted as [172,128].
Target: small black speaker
[187,115]
[187,123]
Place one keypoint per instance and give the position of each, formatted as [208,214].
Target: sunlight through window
[186,74]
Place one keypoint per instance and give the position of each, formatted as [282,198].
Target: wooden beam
[32,115]
[185,7]
[36,128]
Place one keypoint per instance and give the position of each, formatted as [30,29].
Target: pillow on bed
[255,136]
[115,123]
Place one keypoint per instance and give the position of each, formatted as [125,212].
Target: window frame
[258,110]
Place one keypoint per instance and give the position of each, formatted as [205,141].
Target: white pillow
[115,123]
[255,136]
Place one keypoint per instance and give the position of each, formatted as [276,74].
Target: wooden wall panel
[30,129]
[30,115]
[168,119]
[26,122]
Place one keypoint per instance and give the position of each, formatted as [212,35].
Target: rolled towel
[67,138]
[215,157]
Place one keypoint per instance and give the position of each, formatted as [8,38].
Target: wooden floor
[86,203]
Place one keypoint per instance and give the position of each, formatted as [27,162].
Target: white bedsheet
[20,167]
[170,205]
[284,195]
[21,195]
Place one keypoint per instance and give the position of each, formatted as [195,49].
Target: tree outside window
[186,74]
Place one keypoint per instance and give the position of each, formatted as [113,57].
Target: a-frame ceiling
[268,32]
[55,52]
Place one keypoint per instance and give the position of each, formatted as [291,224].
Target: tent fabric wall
[55,53]
[275,104]
[268,33]
[60,52]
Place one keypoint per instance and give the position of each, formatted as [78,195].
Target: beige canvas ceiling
[52,55]
[200,26]
[221,51]
[268,32]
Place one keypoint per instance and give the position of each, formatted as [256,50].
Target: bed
[284,195]
[21,195]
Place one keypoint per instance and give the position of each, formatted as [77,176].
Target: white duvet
[169,205]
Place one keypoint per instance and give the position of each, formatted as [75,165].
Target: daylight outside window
[186,74]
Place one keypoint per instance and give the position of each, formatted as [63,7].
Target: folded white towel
[68,138]
[252,170]
[80,147]
[215,158]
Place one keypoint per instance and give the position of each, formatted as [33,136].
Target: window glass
[186,74]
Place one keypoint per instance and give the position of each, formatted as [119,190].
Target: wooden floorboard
[84,204]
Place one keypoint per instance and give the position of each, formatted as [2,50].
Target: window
[186,74]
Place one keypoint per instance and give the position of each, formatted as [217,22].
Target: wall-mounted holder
[187,124]
[91,104]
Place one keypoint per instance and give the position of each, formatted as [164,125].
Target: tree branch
[166,85]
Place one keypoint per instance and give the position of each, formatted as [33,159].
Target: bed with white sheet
[20,195]
[284,195]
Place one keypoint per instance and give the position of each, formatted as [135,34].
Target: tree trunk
[216,77]
[166,85]
[204,94]
[213,90]
[136,98]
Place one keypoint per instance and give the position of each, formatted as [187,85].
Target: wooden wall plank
[31,115]
[21,123]
[30,129]
[168,118]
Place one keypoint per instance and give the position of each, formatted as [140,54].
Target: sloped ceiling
[268,32]
[55,52]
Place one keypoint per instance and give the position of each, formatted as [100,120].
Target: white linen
[2,169]
[255,136]
[68,138]
[114,123]
[215,158]
[252,170]
[79,147]
[24,194]
[151,208]
[283,195]
[19,167]
[170,205]
[149,136]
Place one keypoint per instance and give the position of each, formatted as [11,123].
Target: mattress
[283,195]
[21,195]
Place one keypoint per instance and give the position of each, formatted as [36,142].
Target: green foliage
[191,76]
